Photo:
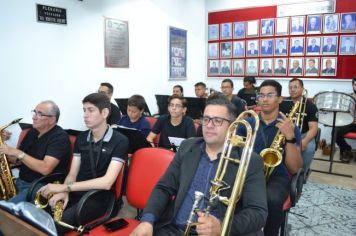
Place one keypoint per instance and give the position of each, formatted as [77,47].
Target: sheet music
[176,141]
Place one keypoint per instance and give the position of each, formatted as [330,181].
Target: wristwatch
[21,156]
[293,140]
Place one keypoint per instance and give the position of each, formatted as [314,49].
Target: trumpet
[43,202]
[217,184]
[272,156]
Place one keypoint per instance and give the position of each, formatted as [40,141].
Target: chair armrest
[296,186]
[110,199]
[44,179]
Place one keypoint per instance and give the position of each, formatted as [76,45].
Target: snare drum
[329,102]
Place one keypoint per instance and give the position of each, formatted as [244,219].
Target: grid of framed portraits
[287,46]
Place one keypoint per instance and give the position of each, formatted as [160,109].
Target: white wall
[40,61]
[313,86]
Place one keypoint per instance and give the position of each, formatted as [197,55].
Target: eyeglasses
[217,121]
[171,105]
[39,114]
[268,95]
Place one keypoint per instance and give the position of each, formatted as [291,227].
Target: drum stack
[334,109]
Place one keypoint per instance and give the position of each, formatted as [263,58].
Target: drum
[329,102]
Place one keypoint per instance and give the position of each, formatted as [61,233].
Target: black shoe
[346,157]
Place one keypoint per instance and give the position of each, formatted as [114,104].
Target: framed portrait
[252,48]
[314,23]
[331,24]
[347,45]
[313,45]
[297,46]
[213,32]
[178,53]
[280,66]
[238,49]
[238,67]
[311,66]
[239,30]
[226,49]
[281,47]
[213,50]
[226,31]
[297,25]
[282,26]
[267,27]
[267,47]
[213,67]
[252,28]
[329,45]
[328,66]
[225,67]
[295,66]
[266,65]
[348,22]
[251,67]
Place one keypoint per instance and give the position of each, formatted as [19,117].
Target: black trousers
[278,189]
[340,140]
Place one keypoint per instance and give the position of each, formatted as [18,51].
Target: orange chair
[146,168]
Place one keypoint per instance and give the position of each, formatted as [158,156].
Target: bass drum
[329,102]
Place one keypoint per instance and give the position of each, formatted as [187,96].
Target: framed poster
[347,45]
[213,50]
[239,48]
[226,31]
[314,24]
[296,66]
[282,26]
[348,22]
[297,25]
[297,46]
[280,66]
[239,30]
[116,43]
[331,23]
[213,67]
[251,67]
[311,66]
[177,53]
[313,45]
[238,67]
[267,27]
[226,49]
[329,45]
[225,67]
[213,33]
[266,47]
[252,28]
[328,66]
[281,47]
[266,66]
[252,48]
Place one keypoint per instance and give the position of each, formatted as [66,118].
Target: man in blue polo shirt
[192,169]
[271,120]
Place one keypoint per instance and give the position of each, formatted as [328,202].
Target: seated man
[271,120]
[192,169]
[115,114]
[200,90]
[176,124]
[45,149]
[309,127]
[248,93]
[345,148]
[134,118]
[227,87]
[99,154]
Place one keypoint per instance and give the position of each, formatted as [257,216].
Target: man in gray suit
[192,169]
[348,46]
[311,67]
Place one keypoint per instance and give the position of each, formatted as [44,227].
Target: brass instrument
[217,184]
[42,202]
[272,156]
[301,111]
[7,184]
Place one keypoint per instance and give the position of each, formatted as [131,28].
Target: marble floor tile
[335,229]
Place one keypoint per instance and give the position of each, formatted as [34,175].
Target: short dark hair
[228,81]
[299,80]
[200,84]
[99,100]
[353,80]
[137,101]
[180,87]
[110,87]
[220,99]
[273,83]
[250,79]
[176,96]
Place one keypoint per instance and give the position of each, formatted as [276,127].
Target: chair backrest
[152,121]
[119,182]
[146,168]
[22,136]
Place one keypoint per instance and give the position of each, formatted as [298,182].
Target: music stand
[162,103]
[136,139]
[195,107]
[122,103]
[332,151]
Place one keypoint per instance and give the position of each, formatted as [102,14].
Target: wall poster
[116,40]
[177,53]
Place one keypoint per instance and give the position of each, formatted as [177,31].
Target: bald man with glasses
[45,149]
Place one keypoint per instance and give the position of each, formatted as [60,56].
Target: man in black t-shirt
[44,149]
[115,114]
[227,87]
[99,155]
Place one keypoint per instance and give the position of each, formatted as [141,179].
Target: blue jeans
[308,154]
[22,188]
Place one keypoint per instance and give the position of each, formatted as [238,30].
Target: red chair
[22,136]
[146,168]
[152,121]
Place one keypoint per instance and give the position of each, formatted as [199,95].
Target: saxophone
[272,156]
[7,184]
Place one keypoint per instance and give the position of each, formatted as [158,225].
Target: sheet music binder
[136,139]
[122,103]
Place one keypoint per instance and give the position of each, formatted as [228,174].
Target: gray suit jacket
[168,195]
